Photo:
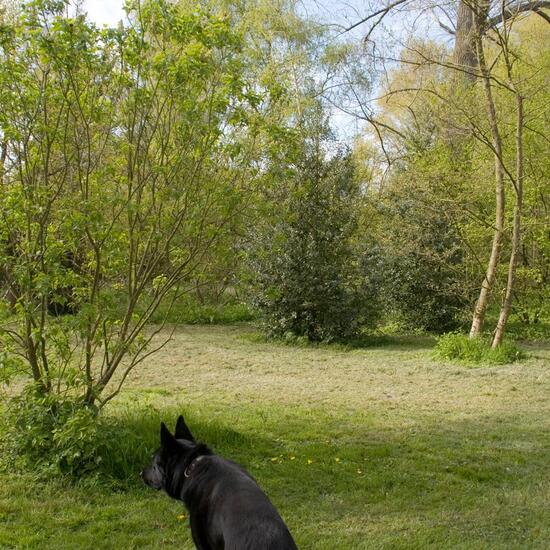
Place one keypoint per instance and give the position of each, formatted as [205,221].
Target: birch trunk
[490,276]
[516,232]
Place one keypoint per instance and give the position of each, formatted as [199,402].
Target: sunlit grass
[375,448]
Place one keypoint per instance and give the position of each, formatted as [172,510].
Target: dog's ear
[182,431]
[167,440]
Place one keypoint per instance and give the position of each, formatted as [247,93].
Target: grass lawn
[363,449]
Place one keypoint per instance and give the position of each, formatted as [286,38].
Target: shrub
[520,330]
[50,434]
[68,241]
[63,437]
[306,279]
[424,284]
[459,347]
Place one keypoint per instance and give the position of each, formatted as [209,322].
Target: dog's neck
[193,464]
[186,470]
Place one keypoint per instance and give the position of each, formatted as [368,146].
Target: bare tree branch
[542,14]
[383,12]
[522,7]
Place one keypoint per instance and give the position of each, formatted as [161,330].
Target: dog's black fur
[227,508]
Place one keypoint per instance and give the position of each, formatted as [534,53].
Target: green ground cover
[383,447]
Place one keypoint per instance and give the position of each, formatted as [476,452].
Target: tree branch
[383,12]
[512,11]
[542,14]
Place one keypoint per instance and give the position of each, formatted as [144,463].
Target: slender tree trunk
[490,276]
[3,158]
[516,232]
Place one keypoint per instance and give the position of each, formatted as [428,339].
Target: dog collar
[193,465]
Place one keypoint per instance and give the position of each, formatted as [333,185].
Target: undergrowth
[57,436]
[188,310]
[459,347]
[52,437]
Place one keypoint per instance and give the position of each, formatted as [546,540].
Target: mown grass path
[362,449]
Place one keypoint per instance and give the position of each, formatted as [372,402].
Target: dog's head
[168,461]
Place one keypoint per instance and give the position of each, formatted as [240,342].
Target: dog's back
[238,514]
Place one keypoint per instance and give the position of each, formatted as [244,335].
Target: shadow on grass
[349,481]
[134,437]
[358,458]
[368,341]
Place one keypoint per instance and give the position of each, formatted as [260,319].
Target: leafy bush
[518,329]
[51,434]
[424,285]
[459,347]
[86,235]
[306,279]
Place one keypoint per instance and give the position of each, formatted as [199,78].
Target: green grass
[382,448]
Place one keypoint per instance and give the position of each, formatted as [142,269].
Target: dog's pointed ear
[182,431]
[167,440]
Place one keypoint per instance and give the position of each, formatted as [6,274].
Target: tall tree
[496,143]
[464,55]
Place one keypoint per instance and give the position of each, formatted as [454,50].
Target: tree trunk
[3,158]
[464,55]
[463,76]
[490,276]
[516,232]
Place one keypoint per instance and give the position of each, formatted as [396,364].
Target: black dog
[227,508]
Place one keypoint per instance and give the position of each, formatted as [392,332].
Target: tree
[464,55]
[119,178]
[425,273]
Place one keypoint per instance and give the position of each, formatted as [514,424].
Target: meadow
[375,448]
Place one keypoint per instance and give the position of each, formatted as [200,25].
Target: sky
[104,12]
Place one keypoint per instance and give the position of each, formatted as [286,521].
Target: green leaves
[128,150]
[304,277]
